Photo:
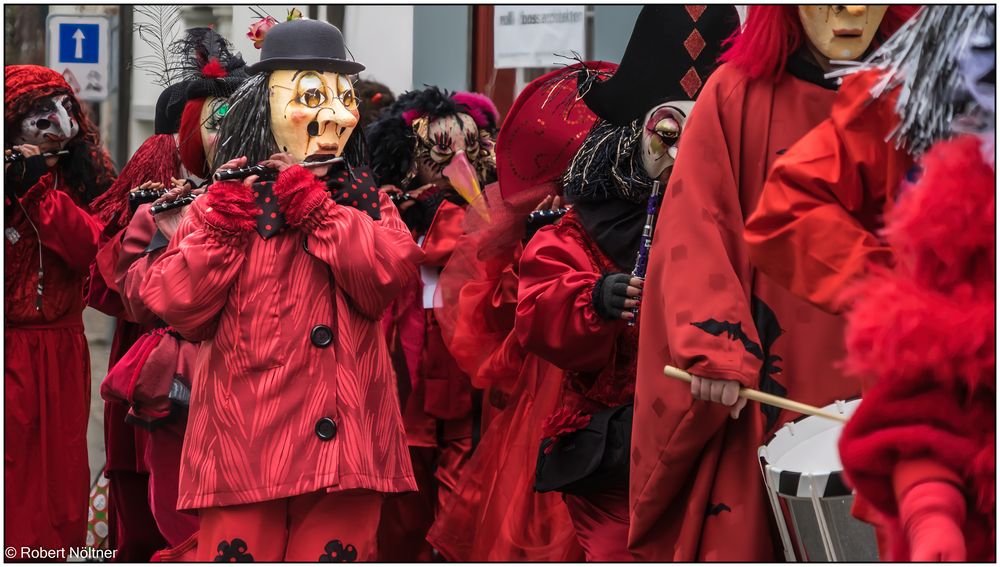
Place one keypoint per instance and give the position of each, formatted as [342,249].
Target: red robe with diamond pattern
[696,487]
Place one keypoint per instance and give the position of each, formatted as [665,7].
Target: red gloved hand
[231,208]
[932,514]
[299,192]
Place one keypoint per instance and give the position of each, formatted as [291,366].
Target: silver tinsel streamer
[922,59]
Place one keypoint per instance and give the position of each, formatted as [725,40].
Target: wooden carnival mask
[313,113]
[442,142]
[841,32]
[453,151]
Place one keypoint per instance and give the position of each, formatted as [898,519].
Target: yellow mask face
[840,31]
[313,113]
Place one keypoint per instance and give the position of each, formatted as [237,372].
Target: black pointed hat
[671,53]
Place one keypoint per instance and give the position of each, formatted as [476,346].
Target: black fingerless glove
[610,293]
[27,174]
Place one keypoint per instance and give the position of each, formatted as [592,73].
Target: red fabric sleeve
[189,284]
[900,422]
[103,293]
[66,229]
[912,472]
[107,259]
[701,223]
[372,261]
[813,230]
[555,314]
[485,319]
[133,263]
[501,368]
[933,515]
[443,234]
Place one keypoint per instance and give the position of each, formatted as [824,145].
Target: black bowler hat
[305,44]
[672,51]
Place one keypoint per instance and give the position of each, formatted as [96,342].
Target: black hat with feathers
[207,64]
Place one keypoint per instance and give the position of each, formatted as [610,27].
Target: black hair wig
[245,130]
[609,165]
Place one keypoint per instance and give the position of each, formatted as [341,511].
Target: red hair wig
[189,139]
[772,33]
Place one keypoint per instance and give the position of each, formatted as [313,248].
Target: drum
[811,502]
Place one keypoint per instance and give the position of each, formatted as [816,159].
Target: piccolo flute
[146,196]
[15,155]
[652,205]
[266,173]
[179,202]
[547,216]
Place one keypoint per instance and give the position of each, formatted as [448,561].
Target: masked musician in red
[294,431]
[576,282]
[495,513]
[920,448]
[50,241]
[434,151]
[143,434]
[696,494]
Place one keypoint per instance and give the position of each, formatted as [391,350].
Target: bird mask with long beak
[433,137]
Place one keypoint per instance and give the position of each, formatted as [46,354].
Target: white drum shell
[804,478]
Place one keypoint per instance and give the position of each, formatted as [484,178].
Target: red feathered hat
[544,129]
[25,84]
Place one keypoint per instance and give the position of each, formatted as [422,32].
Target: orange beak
[464,180]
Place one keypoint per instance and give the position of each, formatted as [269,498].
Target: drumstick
[764,398]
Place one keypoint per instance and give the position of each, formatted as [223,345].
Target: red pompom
[932,316]
[376,97]
[213,70]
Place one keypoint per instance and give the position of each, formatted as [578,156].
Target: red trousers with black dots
[319,526]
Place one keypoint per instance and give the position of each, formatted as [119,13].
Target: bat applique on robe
[707,310]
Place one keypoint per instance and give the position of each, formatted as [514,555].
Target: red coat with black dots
[293,390]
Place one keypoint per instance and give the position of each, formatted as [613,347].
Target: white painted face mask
[661,135]
[50,124]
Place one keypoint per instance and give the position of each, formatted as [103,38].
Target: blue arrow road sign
[78,43]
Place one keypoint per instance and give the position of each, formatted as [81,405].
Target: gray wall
[435,61]
[612,28]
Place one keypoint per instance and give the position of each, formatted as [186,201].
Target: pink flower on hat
[259,29]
